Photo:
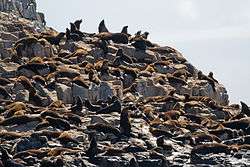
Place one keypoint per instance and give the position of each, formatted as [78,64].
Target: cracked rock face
[76,102]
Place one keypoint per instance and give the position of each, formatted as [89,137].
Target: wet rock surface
[83,99]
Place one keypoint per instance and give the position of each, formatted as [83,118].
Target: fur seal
[118,38]
[214,148]
[201,76]
[90,106]
[4,81]
[78,24]
[124,30]
[58,123]
[211,75]
[242,123]
[72,36]
[160,143]
[139,44]
[39,79]
[145,35]
[54,40]
[125,125]
[7,159]
[159,132]
[102,27]
[77,107]
[18,120]
[100,127]
[92,151]
[114,107]
[80,82]
[74,30]
[4,94]
[133,163]
[93,77]
[37,67]
[245,109]
[65,138]
[124,57]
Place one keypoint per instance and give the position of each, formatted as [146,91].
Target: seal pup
[245,109]
[102,27]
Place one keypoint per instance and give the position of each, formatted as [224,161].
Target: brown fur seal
[78,24]
[133,163]
[201,76]
[80,82]
[77,107]
[19,120]
[90,106]
[92,151]
[125,125]
[242,123]
[4,81]
[104,128]
[114,107]
[214,148]
[26,83]
[65,138]
[93,77]
[145,35]
[54,40]
[124,57]
[72,36]
[58,123]
[125,31]
[39,79]
[160,143]
[245,109]
[4,94]
[36,67]
[102,27]
[211,75]
[7,160]
[119,38]
[74,30]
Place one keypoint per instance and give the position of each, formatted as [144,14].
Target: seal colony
[111,99]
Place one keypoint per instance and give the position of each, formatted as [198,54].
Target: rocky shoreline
[108,99]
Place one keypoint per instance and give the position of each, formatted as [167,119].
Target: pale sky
[213,35]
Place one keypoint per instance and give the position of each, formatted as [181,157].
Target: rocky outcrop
[22,8]
[77,102]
